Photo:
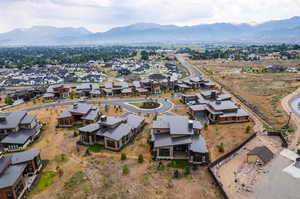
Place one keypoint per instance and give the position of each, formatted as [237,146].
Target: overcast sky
[101,15]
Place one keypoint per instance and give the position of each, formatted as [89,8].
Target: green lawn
[137,104]
[178,164]
[47,179]
[96,148]
[75,127]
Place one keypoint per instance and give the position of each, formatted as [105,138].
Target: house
[27,94]
[18,173]
[177,137]
[59,91]
[219,112]
[78,113]
[17,130]
[112,132]
[88,90]
[218,108]
[275,68]
[260,155]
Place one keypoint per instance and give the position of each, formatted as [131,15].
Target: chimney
[213,95]
[91,86]
[103,118]
[190,124]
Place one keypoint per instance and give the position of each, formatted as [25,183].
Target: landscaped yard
[46,179]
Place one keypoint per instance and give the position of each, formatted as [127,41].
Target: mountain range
[279,31]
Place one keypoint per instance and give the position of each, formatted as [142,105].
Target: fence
[279,134]
[222,158]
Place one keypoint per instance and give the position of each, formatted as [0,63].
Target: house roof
[28,119]
[263,153]
[10,120]
[90,128]
[25,156]
[20,137]
[165,139]
[92,114]
[118,132]
[198,144]
[11,174]
[223,105]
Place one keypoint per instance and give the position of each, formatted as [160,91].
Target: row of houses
[216,107]
[153,85]
[27,94]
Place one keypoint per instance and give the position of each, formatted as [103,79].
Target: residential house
[17,130]
[59,91]
[18,172]
[176,138]
[88,90]
[112,132]
[78,113]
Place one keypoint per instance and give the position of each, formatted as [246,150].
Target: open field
[264,91]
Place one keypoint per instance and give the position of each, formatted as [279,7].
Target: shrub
[176,174]
[8,101]
[205,126]
[248,128]
[187,170]
[195,167]
[87,152]
[221,148]
[141,158]
[125,170]
[123,156]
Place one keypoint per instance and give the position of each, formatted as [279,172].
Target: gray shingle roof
[20,137]
[165,139]
[118,132]
[223,105]
[11,174]
[24,156]
[198,144]
[28,119]
[11,120]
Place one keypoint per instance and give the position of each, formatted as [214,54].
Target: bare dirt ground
[102,172]
[237,176]
[264,91]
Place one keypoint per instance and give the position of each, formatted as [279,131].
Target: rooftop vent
[191,124]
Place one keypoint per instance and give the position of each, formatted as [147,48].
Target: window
[164,152]
[111,143]
[19,188]
[10,195]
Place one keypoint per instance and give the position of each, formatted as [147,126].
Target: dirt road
[294,117]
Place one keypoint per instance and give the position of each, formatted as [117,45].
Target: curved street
[166,105]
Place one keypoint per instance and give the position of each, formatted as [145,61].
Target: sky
[101,15]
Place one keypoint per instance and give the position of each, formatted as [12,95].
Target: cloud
[100,15]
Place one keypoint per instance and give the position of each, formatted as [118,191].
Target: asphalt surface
[165,105]
[194,72]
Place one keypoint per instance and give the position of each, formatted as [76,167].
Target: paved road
[194,72]
[166,105]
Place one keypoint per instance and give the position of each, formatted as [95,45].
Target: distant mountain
[42,35]
[279,31]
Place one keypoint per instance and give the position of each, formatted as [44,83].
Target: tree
[8,101]
[106,107]
[221,148]
[187,170]
[140,158]
[176,174]
[205,126]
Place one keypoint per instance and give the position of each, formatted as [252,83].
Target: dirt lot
[230,135]
[238,177]
[264,91]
